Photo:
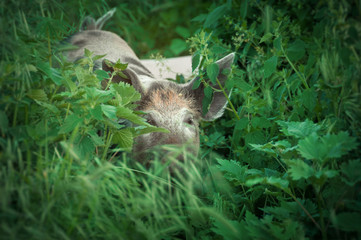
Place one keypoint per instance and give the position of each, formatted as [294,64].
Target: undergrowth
[282,163]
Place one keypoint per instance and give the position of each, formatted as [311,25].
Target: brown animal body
[176,107]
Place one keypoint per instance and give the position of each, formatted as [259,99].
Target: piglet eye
[151,121]
[190,121]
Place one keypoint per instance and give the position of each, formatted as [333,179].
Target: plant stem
[228,100]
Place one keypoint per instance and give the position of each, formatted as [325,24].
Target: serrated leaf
[52,73]
[296,50]
[48,106]
[126,113]
[177,46]
[96,57]
[70,123]
[311,148]
[124,138]
[216,14]
[298,169]
[308,98]
[277,43]
[87,52]
[232,169]
[97,141]
[212,72]
[207,100]
[266,37]
[349,221]
[298,129]
[38,94]
[96,112]
[351,172]
[127,93]
[84,147]
[101,74]
[255,137]
[270,66]
[109,111]
[195,61]
[148,129]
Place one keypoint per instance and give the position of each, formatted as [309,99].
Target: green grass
[282,163]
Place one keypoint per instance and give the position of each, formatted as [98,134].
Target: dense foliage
[282,163]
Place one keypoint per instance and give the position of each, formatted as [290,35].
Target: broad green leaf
[177,46]
[207,100]
[349,221]
[126,113]
[97,141]
[296,50]
[87,52]
[216,14]
[255,137]
[195,61]
[339,144]
[38,94]
[308,98]
[312,148]
[148,129]
[242,85]
[48,106]
[101,74]
[351,172]
[109,111]
[124,138]
[197,83]
[277,43]
[266,37]
[298,129]
[85,147]
[298,169]
[270,66]
[212,72]
[52,73]
[70,123]
[127,92]
[183,32]
[96,112]
[232,169]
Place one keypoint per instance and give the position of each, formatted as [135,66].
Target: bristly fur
[169,97]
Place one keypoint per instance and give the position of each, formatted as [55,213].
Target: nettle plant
[290,140]
[88,116]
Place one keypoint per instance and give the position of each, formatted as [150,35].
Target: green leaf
[48,106]
[52,73]
[109,111]
[84,147]
[270,66]
[298,169]
[177,46]
[296,50]
[96,112]
[87,52]
[266,37]
[349,221]
[126,113]
[216,14]
[351,172]
[197,83]
[124,138]
[183,32]
[308,98]
[195,61]
[298,129]
[207,100]
[97,141]
[255,137]
[127,92]
[148,129]
[38,94]
[311,148]
[277,43]
[212,72]
[70,123]
[232,169]
[101,74]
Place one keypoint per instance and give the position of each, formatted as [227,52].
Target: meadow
[282,163]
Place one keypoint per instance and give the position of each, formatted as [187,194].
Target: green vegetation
[282,163]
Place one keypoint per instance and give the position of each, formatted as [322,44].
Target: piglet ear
[127,76]
[219,101]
